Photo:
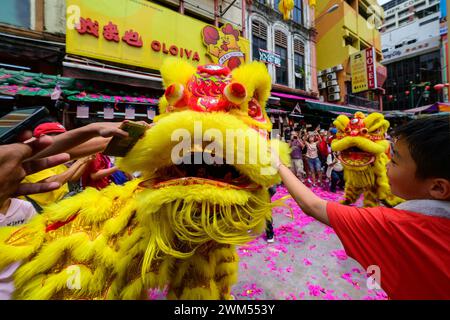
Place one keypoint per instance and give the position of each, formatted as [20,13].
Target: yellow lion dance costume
[177,227]
[363,149]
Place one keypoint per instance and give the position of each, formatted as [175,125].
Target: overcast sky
[381,2]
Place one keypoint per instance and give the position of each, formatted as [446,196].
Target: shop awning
[427,109]
[37,80]
[13,90]
[276,111]
[286,95]
[325,106]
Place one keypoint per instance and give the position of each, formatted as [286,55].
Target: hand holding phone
[119,146]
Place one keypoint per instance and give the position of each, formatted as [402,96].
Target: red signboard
[371,69]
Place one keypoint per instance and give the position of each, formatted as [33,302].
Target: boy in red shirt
[410,244]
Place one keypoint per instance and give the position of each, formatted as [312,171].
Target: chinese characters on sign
[88,26]
[110,32]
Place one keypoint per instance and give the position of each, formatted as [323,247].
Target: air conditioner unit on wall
[319,80]
[322,86]
[339,67]
[328,70]
[334,89]
[321,73]
[331,76]
[332,83]
[334,97]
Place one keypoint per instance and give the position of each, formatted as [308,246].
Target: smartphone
[118,146]
[13,123]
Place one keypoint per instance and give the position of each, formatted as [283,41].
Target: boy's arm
[311,204]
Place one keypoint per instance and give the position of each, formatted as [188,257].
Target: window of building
[275,5]
[259,38]
[403,13]
[299,64]
[298,12]
[281,49]
[403,22]
[16,13]
[351,3]
[428,21]
[419,6]
[390,26]
[427,11]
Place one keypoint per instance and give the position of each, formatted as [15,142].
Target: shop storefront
[124,44]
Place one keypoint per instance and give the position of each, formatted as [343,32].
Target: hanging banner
[151,113]
[83,111]
[108,112]
[364,76]
[143,33]
[129,112]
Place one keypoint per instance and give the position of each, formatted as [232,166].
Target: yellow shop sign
[142,33]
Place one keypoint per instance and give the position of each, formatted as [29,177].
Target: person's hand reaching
[15,165]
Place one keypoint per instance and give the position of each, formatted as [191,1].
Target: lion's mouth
[219,175]
[355,157]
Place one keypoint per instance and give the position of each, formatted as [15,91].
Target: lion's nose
[354,132]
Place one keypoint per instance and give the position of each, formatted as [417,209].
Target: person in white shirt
[13,212]
[335,171]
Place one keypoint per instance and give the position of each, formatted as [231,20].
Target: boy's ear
[440,189]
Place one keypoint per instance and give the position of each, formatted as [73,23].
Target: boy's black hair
[428,142]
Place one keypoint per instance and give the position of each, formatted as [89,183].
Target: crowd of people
[312,159]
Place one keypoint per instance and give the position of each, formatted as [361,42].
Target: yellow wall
[332,27]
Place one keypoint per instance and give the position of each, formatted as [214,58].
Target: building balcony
[353,100]
[362,28]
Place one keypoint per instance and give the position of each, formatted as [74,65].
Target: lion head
[205,164]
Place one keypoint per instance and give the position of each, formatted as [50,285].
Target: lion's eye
[364,131]
[254,109]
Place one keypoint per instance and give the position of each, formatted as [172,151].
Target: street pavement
[306,261]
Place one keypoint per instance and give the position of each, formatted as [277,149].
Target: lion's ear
[256,80]
[341,122]
[175,70]
[376,121]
